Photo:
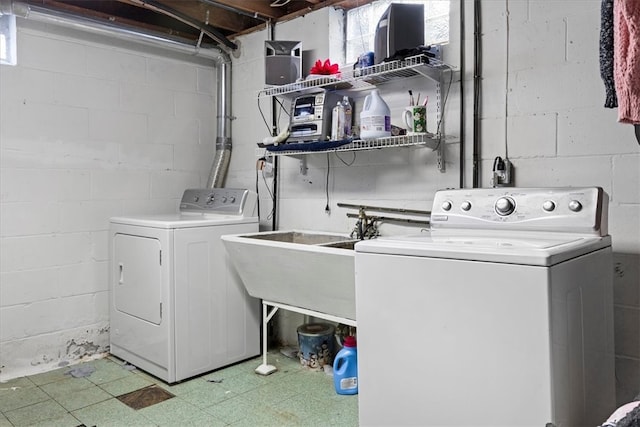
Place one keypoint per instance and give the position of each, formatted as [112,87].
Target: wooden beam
[344,4]
[159,7]
[322,5]
[112,19]
[261,7]
[217,17]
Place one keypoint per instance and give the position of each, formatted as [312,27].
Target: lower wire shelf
[428,140]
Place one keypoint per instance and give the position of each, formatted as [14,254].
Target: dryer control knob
[466,205]
[575,206]
[446,206]
[505,206]
[548,205]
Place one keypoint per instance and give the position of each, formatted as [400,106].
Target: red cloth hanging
[626,63]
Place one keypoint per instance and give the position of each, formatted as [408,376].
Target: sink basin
[307,269]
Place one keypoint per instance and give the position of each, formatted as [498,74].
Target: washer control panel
[565,209]
[229,201]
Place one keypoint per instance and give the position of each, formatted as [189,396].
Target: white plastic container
[348,116]
[375,118]
[337,122]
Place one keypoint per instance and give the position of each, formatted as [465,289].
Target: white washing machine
[501,315]
[178,308]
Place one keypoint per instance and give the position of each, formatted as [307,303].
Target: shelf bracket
[440,156]
[303,165]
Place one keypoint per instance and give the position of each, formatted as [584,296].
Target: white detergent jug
[375,118]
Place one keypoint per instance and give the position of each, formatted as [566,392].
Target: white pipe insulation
[220,59]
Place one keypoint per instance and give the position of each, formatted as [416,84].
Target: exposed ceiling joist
[219,20]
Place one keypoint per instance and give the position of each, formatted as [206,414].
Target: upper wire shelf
[366,78]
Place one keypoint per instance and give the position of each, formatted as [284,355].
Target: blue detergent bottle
[345,368]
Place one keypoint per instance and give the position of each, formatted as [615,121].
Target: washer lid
[542,249]
[184,220]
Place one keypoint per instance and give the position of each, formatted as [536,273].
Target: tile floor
[292,396]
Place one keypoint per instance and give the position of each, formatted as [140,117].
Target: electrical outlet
[502,173]
[267,170]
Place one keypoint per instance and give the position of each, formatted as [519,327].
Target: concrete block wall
[542,98]
[89,128]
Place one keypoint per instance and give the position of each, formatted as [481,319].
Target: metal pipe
[477,90]
[391,219]
[463,73]
[224,144]
[274,131]
[254,15]
[383,209]
[175,14]
[220,58]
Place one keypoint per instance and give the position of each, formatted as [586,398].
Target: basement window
[8,39]
[362,22]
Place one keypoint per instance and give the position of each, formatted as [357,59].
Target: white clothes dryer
[178,308]
[501,315]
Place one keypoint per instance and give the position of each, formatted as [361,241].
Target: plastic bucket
[317,345]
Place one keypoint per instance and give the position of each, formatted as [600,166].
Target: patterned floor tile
[37,413]
[126,385]
[20,397]
[236,395]
[107,371]
[109,412]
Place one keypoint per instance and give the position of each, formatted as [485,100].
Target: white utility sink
[312,270]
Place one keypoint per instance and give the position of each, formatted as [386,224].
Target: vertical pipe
[477,70]
[462,94]
[274,132]
[224,144]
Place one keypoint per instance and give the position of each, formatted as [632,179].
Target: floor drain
[145,397]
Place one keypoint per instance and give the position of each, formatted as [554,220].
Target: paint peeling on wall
[79,349]
[53,351]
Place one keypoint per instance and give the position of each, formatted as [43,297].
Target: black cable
[326,186]
[345,163]
[257,195]
[444,103]
[283,107]
[273,199]
[262,114]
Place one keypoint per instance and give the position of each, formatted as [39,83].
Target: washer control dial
[575,206]
[505,206]
[446,205]
[466,205]
[548,205]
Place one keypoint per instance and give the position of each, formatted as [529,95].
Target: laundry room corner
[90,128]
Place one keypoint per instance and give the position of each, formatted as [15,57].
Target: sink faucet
[366,227]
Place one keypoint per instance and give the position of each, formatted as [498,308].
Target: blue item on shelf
[309,146]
